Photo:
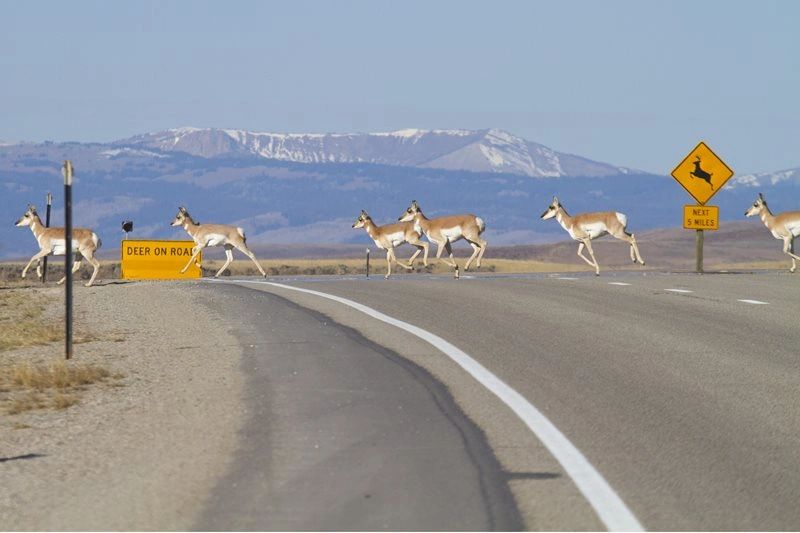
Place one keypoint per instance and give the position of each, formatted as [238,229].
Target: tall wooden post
[46,225]
[699,251]
[367,262]
[67,171]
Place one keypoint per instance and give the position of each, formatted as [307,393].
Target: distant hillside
[282,202]
[489,150]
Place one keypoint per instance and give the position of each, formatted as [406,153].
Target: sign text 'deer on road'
[701,217]
[158,260]
[702,173]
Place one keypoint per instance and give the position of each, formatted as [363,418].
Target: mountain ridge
[484,150]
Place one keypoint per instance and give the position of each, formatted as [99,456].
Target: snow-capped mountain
[765,179]
[488,150]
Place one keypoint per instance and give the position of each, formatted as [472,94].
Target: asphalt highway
[680,390]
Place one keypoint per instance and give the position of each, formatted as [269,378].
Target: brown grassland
[38,384]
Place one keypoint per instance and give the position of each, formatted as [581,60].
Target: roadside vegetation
[27,385]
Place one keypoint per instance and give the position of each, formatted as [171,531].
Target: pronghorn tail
[97,242]
[622,219]
[240,231]
[481,224]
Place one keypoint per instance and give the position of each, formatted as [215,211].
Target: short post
[367,262]
[699,251]
[67,171]
[46,225]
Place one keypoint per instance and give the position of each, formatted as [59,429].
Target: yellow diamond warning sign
[702,173]
[701,217]
[158,260]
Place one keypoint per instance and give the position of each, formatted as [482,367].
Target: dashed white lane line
[618,283]
[754,302]
[609,507]
[682,291]
[568,279]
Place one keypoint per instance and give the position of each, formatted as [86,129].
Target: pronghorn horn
[761,197]
[182,209]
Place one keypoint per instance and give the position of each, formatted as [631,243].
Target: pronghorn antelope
[444,231]
[204,235]
[390,236]
[785,226]
[53,241]
[587,226]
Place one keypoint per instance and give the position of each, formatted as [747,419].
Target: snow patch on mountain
[763,178]
[490,150]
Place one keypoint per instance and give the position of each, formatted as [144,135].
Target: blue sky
[631,83]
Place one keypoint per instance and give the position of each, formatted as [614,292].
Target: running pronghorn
[587,226]
[214,235]
[390,236]
[785,226]
[85,243]
[444,231]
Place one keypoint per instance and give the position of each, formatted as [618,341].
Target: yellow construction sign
[701,217]
[702,173]
[158,260]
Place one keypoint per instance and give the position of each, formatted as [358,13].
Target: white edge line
[754,302]
[682,291]
[618,283]
[609,507]
[569,279]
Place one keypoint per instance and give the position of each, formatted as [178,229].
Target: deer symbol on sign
[701,174]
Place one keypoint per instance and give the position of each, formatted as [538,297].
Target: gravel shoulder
[145,453]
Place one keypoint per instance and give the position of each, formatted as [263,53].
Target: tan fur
[86,240]
[587,226]
[785,226]
[204,235]
[443,231]
[381,235]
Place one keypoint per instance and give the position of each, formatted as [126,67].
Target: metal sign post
[46,225]
[67,171]
[367,262]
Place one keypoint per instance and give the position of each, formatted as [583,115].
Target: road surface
[680,390]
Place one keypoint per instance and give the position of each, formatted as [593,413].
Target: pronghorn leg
[452,259]
[440,247]
[591,254]
[388,263]
[246,251]
[580,254]
[630,238]
[394,258]
[89,255]
[483,244]
[39,269]
[411,259]
[76,265]
[475,250]
[195,252]
[788,247]
[228,259]
[36,257]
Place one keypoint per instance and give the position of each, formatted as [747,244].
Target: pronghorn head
[181,217]
[411,212]
[551,211]
[28,218]
[361,220]
[757,206]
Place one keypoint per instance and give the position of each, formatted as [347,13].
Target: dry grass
[21,321]
[25,386]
